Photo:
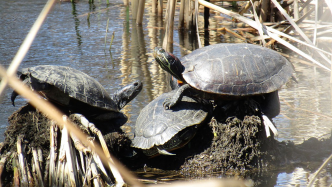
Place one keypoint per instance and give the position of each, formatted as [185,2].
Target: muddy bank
[34,128]
[232,143]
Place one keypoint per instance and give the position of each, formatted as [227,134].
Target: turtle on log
[77,91]
[158,131]
[227,72]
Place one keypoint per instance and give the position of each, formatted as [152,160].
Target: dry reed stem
[196,22]
[52,171]
[16,177]
[117,176]
[95,175]
[267,29]
[46,173]
[78,144]
[30,178]
[298,29]
[54,114]
[99,163]
[2,165]
[260,29]
[61,159]
[40,158]
[24,178]
[39,103]
[60,173]
[140,12]
[234,34]
[329,4]
[169,28]
[69,160]
[319,170]
[37,167]
[82,162]
[88,172]
[22,51]
[75,167]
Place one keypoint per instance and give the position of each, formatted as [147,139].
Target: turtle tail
[25,81]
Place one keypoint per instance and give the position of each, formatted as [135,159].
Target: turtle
[77,91]
[159,131]
[227,71]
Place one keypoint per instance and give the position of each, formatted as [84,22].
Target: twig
[319,170]
[235,34]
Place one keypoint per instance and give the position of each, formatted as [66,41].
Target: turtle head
[169,63]
[127,93]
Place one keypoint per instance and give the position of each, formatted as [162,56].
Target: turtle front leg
[172,101]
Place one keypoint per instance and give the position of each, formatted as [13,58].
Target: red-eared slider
[78,91]
[158,131]
[227,71]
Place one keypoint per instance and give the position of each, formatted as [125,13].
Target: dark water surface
[69,38]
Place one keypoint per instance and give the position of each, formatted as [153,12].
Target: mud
[235,143]
[33,125]
[35,128]
[232,143]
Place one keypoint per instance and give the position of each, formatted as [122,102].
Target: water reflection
[77,25]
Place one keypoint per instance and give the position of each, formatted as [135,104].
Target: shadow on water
[74,35]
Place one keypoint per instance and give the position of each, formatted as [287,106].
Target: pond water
[74,35]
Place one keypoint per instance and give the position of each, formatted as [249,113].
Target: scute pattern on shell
[155,125]
[236,69]
[75,83]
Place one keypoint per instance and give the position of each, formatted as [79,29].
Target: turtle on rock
[78,92]
[228,71]
[158,131]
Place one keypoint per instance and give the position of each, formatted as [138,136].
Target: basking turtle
[226,71]
[78,92]
[158,131]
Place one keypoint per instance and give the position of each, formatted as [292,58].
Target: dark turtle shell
[156,126]
[236,69]
[74,83]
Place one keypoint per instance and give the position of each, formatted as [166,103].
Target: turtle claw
[164,152]
[169,103]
